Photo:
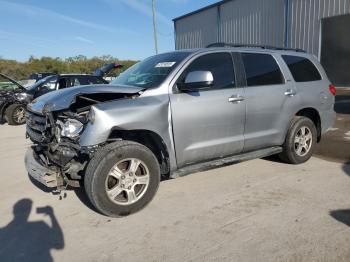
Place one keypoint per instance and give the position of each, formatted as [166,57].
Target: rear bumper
[327,120]
[39,171]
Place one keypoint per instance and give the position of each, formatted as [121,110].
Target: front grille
[36,127]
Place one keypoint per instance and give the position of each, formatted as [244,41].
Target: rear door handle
[236,99]
[290,92]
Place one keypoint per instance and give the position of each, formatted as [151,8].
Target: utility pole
[155,27]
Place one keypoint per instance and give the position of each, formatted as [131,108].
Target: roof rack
[255,46]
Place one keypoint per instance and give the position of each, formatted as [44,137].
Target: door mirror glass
[197,80]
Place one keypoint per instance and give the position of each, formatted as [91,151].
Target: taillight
[332,90]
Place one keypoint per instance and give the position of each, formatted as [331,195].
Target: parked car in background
[178,113]
[37,76]
[10,89]
[15,99]
[33,78]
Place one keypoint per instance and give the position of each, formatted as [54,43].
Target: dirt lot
[260,210]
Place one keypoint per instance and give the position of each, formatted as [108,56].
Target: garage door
[335,49]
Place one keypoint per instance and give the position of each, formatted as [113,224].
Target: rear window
[302,69]
[261,69]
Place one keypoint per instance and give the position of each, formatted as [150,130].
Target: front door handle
[290,92]
[236,99]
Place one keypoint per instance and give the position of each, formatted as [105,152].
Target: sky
[65,28]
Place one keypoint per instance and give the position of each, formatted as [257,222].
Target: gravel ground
[261,210]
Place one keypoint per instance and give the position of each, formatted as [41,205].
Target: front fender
[143,113]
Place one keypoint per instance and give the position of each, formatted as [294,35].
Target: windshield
[42,81]
[152,71]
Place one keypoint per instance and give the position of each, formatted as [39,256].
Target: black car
[37,76]
[14,97]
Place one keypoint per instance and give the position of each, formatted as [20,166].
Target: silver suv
[174,114]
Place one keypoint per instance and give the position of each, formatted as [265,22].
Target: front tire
[122,178]
[300,141]
[15,114]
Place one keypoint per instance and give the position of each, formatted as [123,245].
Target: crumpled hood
[62,99]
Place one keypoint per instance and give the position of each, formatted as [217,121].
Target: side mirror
[197,80]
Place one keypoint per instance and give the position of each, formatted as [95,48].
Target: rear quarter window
[302,69]
[261,70]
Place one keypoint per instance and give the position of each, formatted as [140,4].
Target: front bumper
[2,110]
[39,171]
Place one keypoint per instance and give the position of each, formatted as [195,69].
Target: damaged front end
[56,159]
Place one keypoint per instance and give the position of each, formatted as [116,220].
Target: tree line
[78,64]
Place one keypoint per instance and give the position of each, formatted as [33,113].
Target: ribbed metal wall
[259,22]
[197,30]
[305,18]
[252,22]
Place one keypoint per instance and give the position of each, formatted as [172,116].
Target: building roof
[201,9]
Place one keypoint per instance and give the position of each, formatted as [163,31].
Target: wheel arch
[148,138]
[314,116]
[4,108]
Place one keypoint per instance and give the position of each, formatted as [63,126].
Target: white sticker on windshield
[165,64]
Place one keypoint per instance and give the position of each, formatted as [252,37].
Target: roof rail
[255,46]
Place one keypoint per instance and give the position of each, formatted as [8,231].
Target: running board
[195,168]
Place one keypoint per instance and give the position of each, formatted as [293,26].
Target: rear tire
[300,141]
[122,178]
[15,114]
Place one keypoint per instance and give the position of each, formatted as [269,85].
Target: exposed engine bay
[56,135]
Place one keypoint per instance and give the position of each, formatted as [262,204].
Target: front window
[219,64]
[152,71]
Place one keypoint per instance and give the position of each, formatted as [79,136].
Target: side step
[195,168]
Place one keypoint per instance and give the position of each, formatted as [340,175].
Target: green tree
[77,64]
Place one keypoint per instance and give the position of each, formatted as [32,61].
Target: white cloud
[143,8]
[27,39]
[84,40]
[38,11]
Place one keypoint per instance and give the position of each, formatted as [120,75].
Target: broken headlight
[71,128]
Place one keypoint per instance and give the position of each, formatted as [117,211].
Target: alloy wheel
[303,141]
[19,115]
[127,181]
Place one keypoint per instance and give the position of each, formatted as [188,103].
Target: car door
[271,100]
[208,123]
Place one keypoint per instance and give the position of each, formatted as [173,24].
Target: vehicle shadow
[342,106]
[274,158]
[81,195]
[342,215]
[346,168]
[23,240]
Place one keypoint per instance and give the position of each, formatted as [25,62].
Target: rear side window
[302,69]
[94,80]
[219,64]
[261,69]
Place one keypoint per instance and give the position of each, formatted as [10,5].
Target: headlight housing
[71,128]
[21,96]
